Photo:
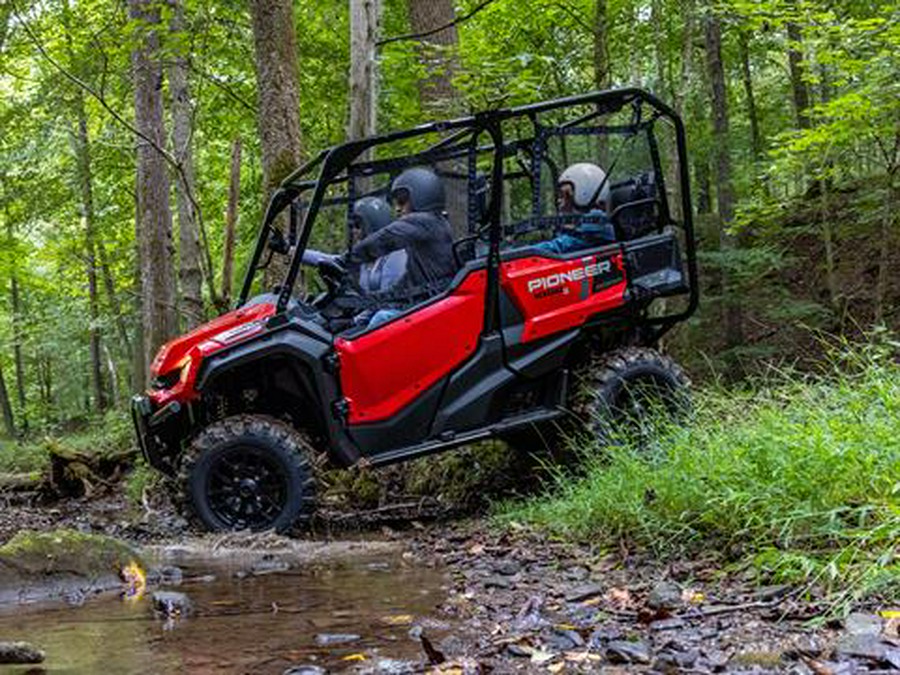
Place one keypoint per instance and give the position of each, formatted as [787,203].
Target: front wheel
[629,394]
[248,472]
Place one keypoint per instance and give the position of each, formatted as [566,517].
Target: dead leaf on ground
[619,598]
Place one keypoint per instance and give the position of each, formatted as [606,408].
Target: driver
[583,188]
[421,231]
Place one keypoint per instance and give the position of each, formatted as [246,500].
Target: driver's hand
[332,265]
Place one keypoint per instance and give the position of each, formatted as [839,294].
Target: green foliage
[796,474]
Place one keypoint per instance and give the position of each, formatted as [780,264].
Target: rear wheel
[627,395]
[248,472]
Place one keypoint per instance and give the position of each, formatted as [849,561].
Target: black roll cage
[334,165]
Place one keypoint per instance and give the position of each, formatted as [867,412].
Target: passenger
[583,189]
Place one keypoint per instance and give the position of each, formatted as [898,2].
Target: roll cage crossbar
[339,164]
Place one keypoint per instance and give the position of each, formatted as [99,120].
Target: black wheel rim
[642,406]
[246,488]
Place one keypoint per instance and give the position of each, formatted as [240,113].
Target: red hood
[172,354]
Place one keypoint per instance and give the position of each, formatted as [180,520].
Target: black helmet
[372,213]
[424,190]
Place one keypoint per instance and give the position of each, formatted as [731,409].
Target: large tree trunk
[436,51]
[796,64]
[8,422]
[724,189]
[277,80]
[231,215]
[437,96]
[154,218]
[364,18]
[83,156]
[189,274]
[275,45]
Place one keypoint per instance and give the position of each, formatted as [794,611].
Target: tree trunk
[279,99]
[364,18]
[85,178]
[828,241]
[892,202]
[8,422]
[113,299]
[796,63]
[189,274]
[154,218]
[16,308]
[437,53]
[724,189]
[275,45]
[437,96]
[747,79]
[601,67]
[234,193]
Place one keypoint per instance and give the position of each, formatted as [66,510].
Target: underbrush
[798,475]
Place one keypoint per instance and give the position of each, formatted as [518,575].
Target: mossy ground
[40,555]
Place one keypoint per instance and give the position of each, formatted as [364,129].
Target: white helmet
[589,184]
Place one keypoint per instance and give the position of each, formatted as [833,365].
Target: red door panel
[555,295]
[384,370]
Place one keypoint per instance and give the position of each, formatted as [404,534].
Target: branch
[450,24]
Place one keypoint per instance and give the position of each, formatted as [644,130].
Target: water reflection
[258,624]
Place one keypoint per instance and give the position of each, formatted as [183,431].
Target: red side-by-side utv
[521,340]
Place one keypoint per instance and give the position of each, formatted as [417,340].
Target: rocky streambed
[437,599]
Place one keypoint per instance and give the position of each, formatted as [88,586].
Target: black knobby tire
[623,394]
[247,472]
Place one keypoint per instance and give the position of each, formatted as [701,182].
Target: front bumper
[159,431]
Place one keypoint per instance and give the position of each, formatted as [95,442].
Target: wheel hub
[246,488]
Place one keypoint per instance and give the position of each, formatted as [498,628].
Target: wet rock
[167,575]
[331,639]
[391,667]
[667,624]
[305,670]
[621,651]
[863,646]
[497,582]
[507,568]
[20,652]
[584,592]
[603,635]
[171,604]
[562,640]
[715,659]
[268,566]
[518,650]
[576,573]
[47,556]
[665,596]
[858,623]
[673,661]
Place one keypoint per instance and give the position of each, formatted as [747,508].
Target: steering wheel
[338,281]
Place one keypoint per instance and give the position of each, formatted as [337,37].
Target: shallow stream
[245,623]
